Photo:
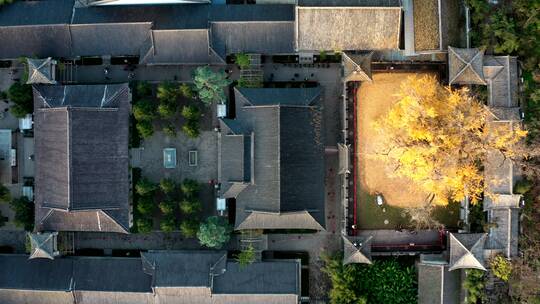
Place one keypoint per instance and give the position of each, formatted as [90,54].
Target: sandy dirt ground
[373,101]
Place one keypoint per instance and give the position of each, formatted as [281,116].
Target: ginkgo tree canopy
[439,138]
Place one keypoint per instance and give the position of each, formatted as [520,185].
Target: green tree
[167,185]
[190,206]
[24,212]
[246,256]
[384,281]
[170,130]
[4,2]
[145,187]
[210,85]
[474,284]
[168,224]
[21,96]
[186,90]
[503,29]
[5,195]
[144,109]
[144,89]
[145,128]
[191,112]
[166,110]
[190,187]
[214,233]
[523,186]
[191,128]
[167,207]
[146,206]
[189,227]
[242,60]
[144,225]
[167,93]
[501,267]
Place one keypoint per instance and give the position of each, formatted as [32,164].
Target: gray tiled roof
[43,245]
[181,268]
[262,37]
[356,250]
[276,277]
[357,66]
[40,71]
[374,3]
[504,236]
[438,285]
[502,78]
[163,277]
[183,16]
[467,250]
[108,39]
[178,46]
[73,273]
[36,12]
[465,66]
[283,163]
[81,155]
[125,30]
[35,41]
[347,28]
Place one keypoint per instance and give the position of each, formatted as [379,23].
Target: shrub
[21,96]
[246,256]
[210,85]
[242,60]
[523,186]
[474,283]
[186,90]
[166,207]
[190,206]
[323,56]
[5,195]
[24,212]
[384,281]
[191,112]
[167,185]
[168,224]
[191,128]
[190,187]
[189,228]
[170,130]
[501,267]
[214,233]
[144,109]
[166,110]
[145,128]
[146,206]
[167,92]
[145,187]
[144,89]
[144,225]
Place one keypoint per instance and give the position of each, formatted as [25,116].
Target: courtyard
[374,176]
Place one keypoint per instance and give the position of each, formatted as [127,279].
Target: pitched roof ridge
[106,213]
[68,153]
[279,157]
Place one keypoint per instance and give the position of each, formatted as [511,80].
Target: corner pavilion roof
[465,66]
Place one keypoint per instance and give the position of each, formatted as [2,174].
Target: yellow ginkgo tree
[439,138]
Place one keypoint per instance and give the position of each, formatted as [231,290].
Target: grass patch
[372,216]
